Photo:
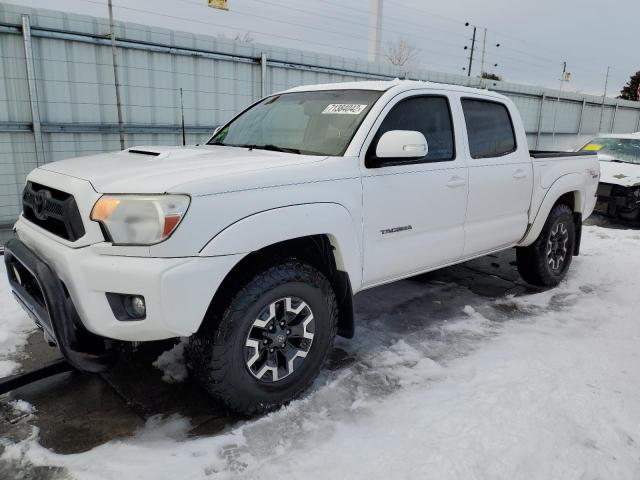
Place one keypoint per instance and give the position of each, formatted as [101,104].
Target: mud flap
[577,219]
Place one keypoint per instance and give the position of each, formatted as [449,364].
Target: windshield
[313,123]
[615,149]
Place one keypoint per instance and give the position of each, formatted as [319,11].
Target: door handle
[520,174]
[456,182]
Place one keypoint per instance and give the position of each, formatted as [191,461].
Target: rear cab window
[489,128]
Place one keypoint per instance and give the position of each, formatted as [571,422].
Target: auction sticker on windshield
[344,108]
[592,147]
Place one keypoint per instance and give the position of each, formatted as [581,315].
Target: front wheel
[546,261]
[270,342]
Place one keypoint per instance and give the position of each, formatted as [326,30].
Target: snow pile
[172,363]
[20,406]
[445,385]
[15,327]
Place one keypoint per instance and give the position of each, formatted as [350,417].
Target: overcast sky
[535,36]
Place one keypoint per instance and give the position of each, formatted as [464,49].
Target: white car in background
[619,189]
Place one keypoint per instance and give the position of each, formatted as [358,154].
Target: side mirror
[402,144]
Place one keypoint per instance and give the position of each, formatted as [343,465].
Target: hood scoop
[144,152]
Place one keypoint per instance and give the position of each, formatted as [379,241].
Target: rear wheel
[546,261]
[270,342]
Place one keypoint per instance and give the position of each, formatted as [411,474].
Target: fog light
[135,307]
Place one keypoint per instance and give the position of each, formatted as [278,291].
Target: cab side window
[489,128]
[429,115]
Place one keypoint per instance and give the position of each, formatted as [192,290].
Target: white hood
[616,173]
[165,169]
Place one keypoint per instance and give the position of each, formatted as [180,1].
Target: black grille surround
[53,210]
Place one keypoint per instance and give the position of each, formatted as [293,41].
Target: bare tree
[246,38]
[490,76]
[401,54]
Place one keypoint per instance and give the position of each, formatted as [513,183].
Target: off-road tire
[216,353]
[534,261]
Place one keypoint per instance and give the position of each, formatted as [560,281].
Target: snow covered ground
[15,327]
[445,385]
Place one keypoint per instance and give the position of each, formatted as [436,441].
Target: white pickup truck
[254,244]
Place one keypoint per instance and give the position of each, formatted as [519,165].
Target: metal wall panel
[529,108]
[14,92]
[591,120]
[218,77]
[561,116]
[626,120]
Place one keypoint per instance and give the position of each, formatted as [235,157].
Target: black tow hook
[55,367]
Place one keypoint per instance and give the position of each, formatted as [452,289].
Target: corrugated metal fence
[57,95]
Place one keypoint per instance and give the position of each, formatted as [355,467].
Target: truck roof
[396,84]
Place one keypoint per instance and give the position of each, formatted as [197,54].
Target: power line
[525,64]
[351,22]
[212,24]
[386,17]
[536,46]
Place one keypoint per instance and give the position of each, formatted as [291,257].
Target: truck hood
[624,174]
[166,169]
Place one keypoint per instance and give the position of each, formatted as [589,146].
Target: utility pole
[604,96]
[114,54]
[473,47]
[375,30]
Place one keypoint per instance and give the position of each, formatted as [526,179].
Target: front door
[414,211]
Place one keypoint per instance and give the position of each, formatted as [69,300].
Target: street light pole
[555,111]
[604,96]
[484,49]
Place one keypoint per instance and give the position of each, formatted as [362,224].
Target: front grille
[53,210]
[620,191]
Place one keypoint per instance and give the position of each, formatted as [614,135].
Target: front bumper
[43,297]
[619,202]
[177,291]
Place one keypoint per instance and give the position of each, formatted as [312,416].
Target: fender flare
[569,183]
[272,226]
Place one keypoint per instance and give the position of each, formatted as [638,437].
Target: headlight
[140,219]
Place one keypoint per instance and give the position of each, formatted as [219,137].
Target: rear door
[414,210]
[500,176]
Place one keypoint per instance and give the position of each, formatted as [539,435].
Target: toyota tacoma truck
[254,244]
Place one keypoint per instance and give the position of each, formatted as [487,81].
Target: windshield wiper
[273,148]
